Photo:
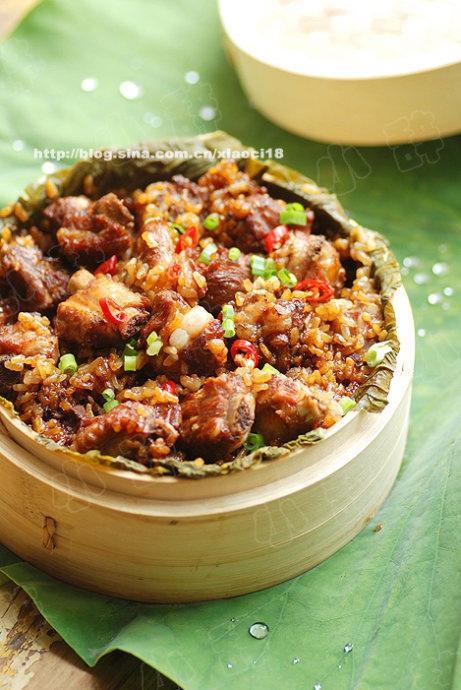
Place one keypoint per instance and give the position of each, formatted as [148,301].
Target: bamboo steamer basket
[179,540]
[396,107]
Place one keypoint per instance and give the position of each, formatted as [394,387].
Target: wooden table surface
[32,655]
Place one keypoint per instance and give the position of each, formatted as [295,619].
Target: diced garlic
[195,321]
[179,338]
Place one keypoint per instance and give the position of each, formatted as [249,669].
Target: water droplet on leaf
[229,665]
[348,647]
[448,292]
[192,77]
[317,686]
[18,145]
[89,84]
[440,268]
[410,261]
[295,660]
[434,298]
[130,90]
[421,332]
[259,630]
[49,167]
[152,119]
[420,278]
[207,112]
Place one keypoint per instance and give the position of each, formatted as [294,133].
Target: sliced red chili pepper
[276,237]
[320,289]
[109,266]
[244,349]
[169,386]
[113,313]
[188,239]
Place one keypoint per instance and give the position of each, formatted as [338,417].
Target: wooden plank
[33,656]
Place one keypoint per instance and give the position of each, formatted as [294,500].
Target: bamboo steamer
[168,539]
[398,107]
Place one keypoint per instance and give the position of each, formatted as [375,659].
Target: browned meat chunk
[217,419]
[155,244]
[192,339]
[247,220]
[311,256]
[91,232]
[276,327]
[224,278]
[165,306]
[288,408]
[39,283]
[68,212]
[80,318]
[132,430]
[29,336]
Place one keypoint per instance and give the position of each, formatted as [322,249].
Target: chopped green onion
[258,265]
[152,337]
[347,404]
[253,442]
[154,344]
[68,364]
[271,268]
[269,369]
[178,228]
[108,394]
[376,353]
[109,405]
[130,362]
[229,328]
[293,214]
[234,253]
[286,277]
[207,253]
[228,311]
[211,222]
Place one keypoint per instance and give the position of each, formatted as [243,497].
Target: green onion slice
[254,441]
[228,311]
[178,228]
[287,278]
[68,364]
[207,253]
[293,214]
[109,405]
[268,368]
[376,353]
[347,404]
[211,222]
[108,394]
[229,328]
[234,253]
[130,362]
[154,344]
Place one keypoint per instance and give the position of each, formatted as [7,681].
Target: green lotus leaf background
[394,594]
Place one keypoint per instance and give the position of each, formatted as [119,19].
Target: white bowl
[340,107]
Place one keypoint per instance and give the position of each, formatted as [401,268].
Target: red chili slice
[113,313]
[276,238]
[320,289]
[109,266]
[189,239]
[170,387]
[245,349]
